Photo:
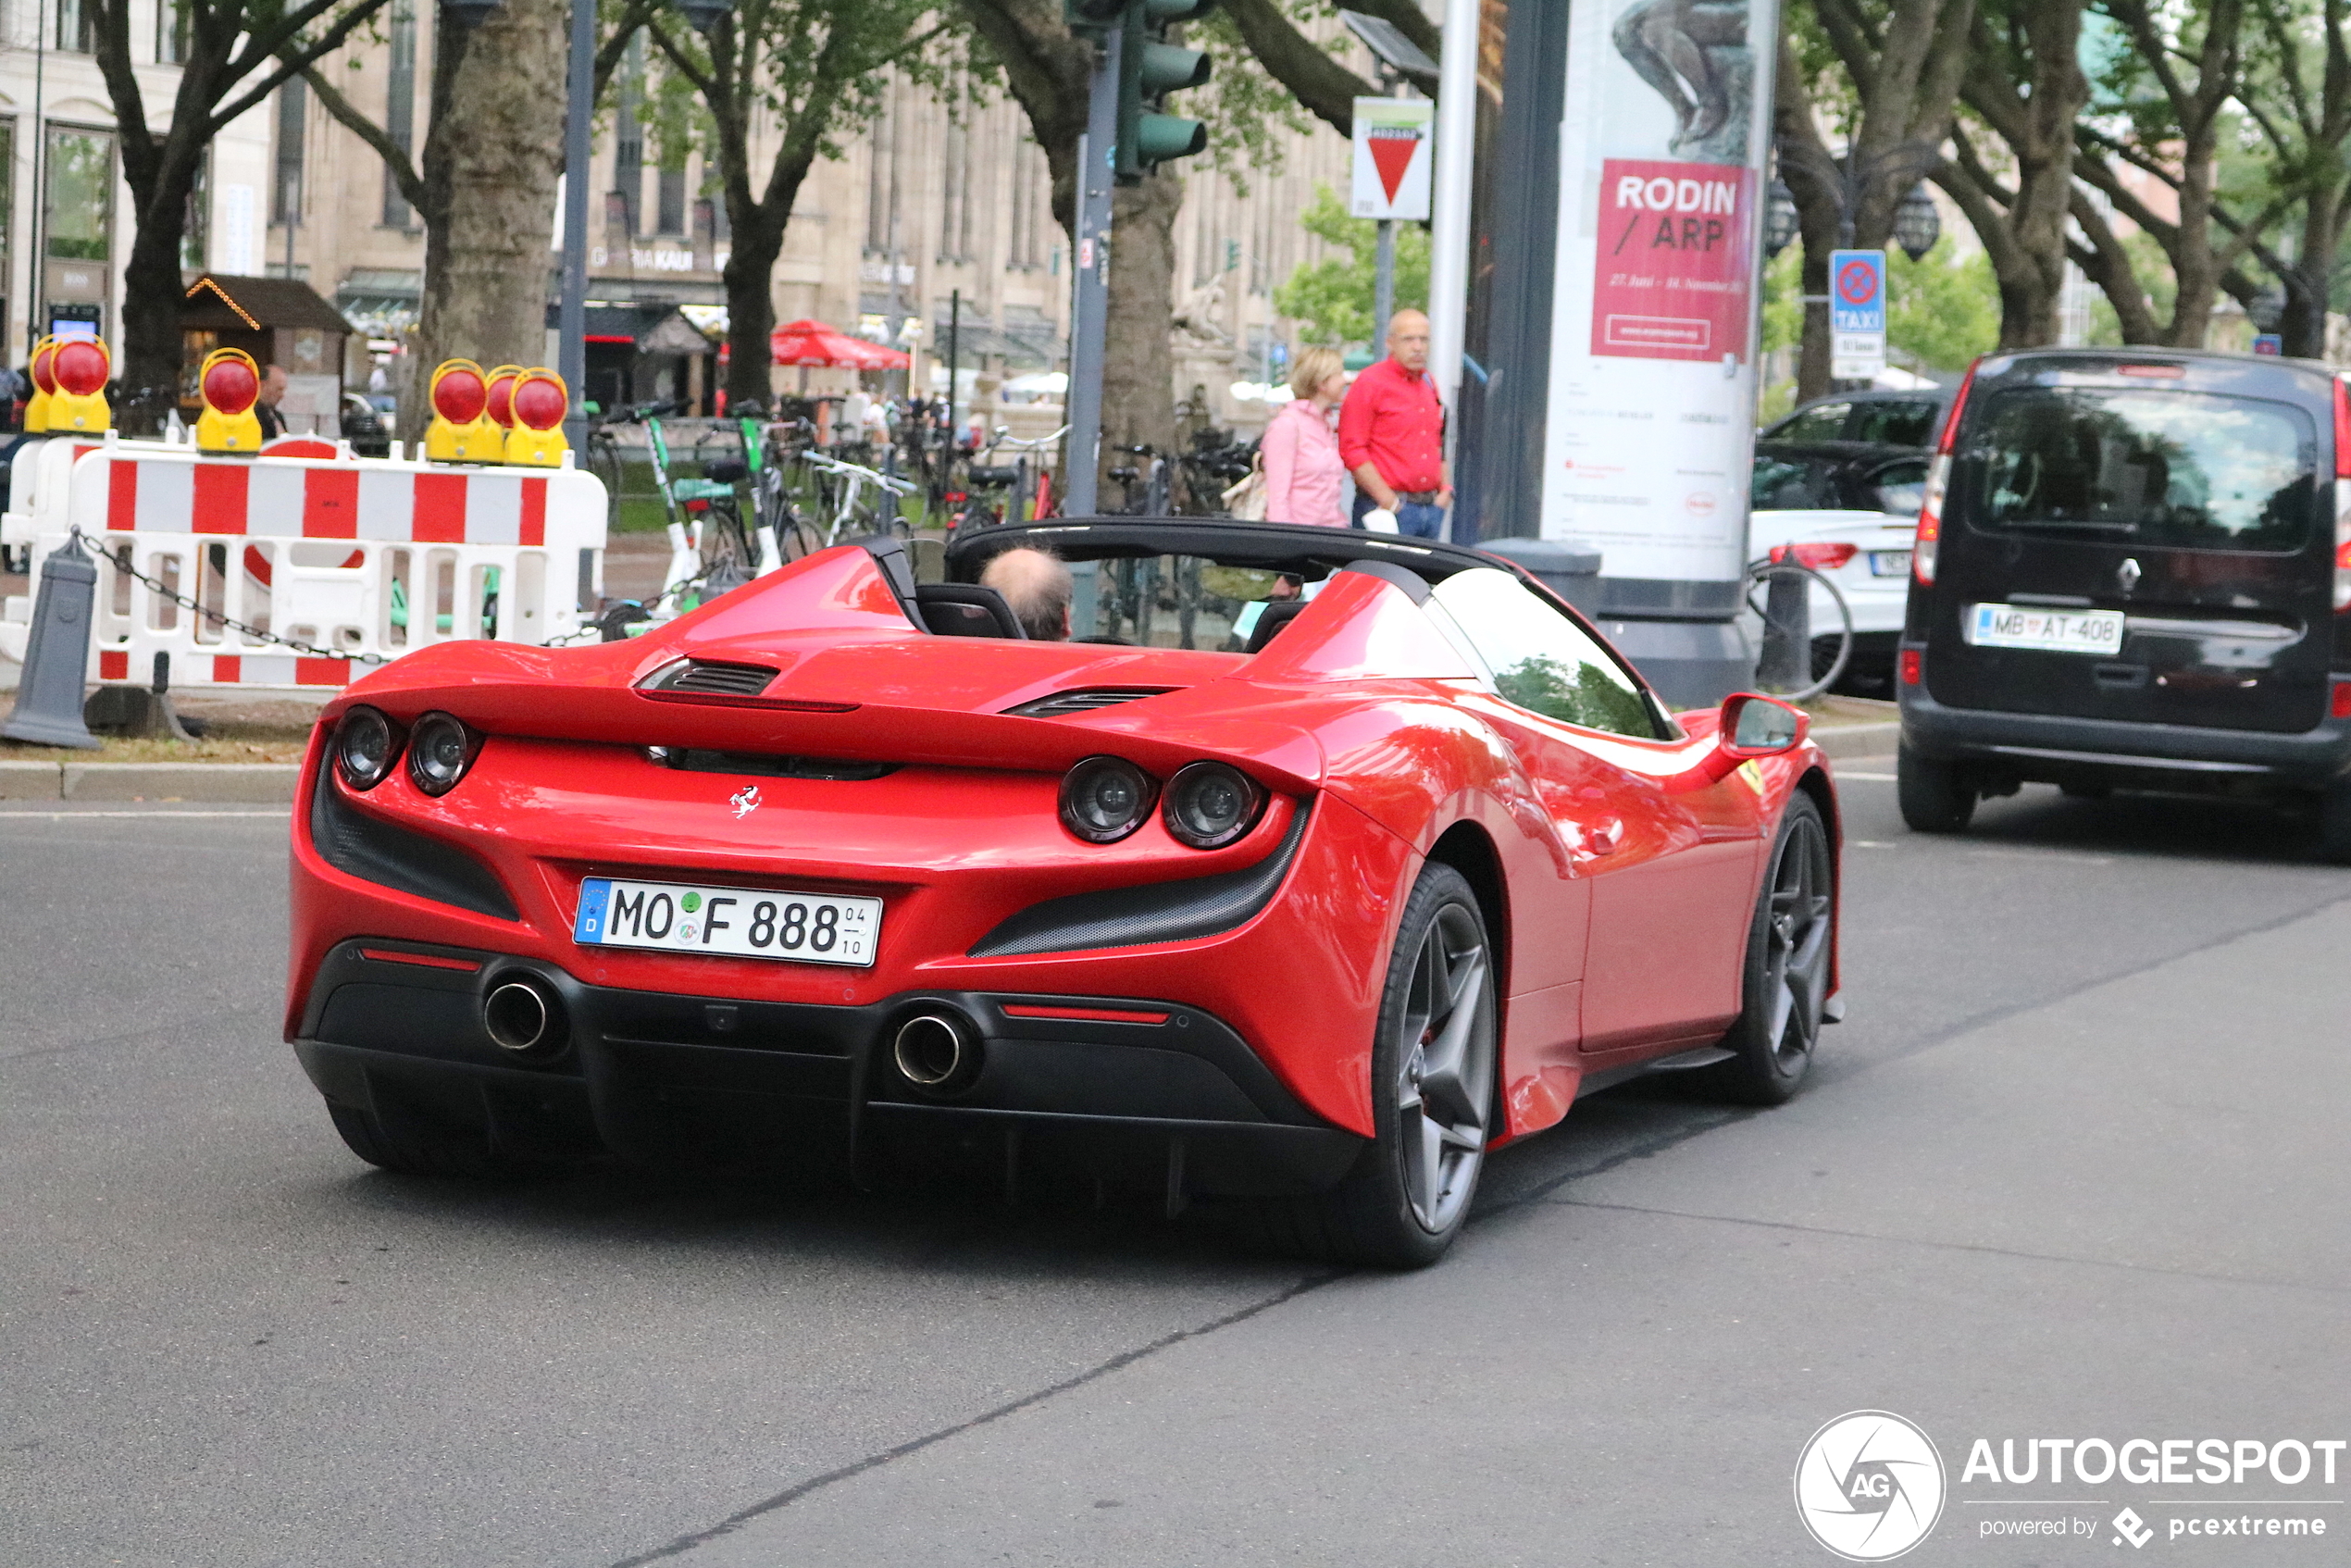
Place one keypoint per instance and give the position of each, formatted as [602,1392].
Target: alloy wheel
[1796,952]
[1446,1069]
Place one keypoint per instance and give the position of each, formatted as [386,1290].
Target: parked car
[2132,572]
[1848,510]
[1880,418]
[1308,927]
[366,428]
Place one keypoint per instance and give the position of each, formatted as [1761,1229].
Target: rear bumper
[1137,1088]
[2054,747]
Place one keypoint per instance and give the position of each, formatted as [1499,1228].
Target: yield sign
[1394,144]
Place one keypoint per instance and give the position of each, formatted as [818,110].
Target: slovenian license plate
[735,921]
[2048,631]
[1889,562]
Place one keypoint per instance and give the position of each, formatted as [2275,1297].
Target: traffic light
[1148,71]
[1091,15]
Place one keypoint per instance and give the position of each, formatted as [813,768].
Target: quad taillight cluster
[1206,805]
[368,744]
[1820,555]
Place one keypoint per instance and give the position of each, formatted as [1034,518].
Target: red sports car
[1324,863]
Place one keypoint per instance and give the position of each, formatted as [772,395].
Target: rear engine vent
[690,759]
[713,678]
[1062,703]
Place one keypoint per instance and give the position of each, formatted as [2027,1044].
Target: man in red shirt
[1391,434]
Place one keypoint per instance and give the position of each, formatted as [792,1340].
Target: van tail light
[1819,554]
[2339,703]
[2341,494]
[1938,480]
[1913,664]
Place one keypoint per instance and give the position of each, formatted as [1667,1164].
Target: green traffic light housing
[1092,16]
[1148,71]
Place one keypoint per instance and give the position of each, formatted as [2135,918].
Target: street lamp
[704,15]
[2267,308]
[1916,223]
[470,14]
[1780,220]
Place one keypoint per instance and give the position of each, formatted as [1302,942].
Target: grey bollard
[56,655]
[1786,661]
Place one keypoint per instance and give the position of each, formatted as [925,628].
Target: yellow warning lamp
[461,430]
[537,404]
[44,384]
[230,384]
[80,367]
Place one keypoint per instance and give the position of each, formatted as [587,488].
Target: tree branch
[1326,88]
[397,161]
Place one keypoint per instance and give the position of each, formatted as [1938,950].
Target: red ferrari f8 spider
[1323,864]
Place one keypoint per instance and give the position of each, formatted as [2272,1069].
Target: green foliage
[1942,309]
[1541,684]
[1331,299]
[1247,111]
[1784,300]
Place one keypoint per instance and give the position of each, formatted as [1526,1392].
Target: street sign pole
[1383,283]
[1090,308]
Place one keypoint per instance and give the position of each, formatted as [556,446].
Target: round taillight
[230,384]
[80,367]
[366,746]
[1104,799]
[44,370]
[500,399]
[460,392]
[1210,804]
[540,401]
[440,750]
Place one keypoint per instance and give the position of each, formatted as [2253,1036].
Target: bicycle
[851,482]
[1012,478]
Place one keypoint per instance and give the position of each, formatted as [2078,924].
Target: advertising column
[1650,425]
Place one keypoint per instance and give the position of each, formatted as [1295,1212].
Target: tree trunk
[1139,368]
[150,342]
[2303,327]
[491,163]
[1810,176]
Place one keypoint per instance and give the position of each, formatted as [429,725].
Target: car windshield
[2174,468]
[1896,422]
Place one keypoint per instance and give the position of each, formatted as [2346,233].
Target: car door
[1671,873]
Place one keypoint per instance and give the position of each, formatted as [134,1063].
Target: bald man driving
[1037,585]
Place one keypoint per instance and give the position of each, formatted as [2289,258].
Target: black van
[2131,572]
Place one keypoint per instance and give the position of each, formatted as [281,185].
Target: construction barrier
[360,560]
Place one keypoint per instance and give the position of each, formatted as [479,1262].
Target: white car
[1847,511]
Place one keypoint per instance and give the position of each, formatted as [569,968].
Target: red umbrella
[814,343]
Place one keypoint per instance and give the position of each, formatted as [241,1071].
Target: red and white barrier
[363,559]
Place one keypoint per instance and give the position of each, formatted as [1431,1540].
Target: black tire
[1433,1096]
[1936,797]
[2334,824]
[1785,985]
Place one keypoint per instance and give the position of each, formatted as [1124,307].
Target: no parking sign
[1857,314]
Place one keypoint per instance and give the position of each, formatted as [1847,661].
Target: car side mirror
[1750,726]
[1755,725]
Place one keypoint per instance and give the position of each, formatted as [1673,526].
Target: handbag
[1246,498]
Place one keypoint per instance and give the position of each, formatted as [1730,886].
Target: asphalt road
[2071,1169]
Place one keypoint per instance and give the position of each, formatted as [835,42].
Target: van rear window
[2153,468]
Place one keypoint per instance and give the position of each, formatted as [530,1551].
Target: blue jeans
[1415,520]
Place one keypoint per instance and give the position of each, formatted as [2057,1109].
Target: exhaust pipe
[524,1017]
[937,1053]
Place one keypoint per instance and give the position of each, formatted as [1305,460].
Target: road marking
[1866,777]
[7,815]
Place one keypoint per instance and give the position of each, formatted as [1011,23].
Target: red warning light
[45,374]
[232,385]
[80,367]
[501,396]
[459,395]
[540,403]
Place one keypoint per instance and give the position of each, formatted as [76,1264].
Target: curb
[268,783]
[1857,740]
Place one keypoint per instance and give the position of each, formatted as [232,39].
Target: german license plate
[735,921]
[2048,631]
[1889,562]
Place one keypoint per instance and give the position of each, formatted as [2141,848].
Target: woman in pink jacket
[1304,479]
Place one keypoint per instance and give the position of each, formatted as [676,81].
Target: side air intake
[708,677]
[1062,704]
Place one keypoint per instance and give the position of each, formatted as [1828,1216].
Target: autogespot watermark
[1870,1485]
